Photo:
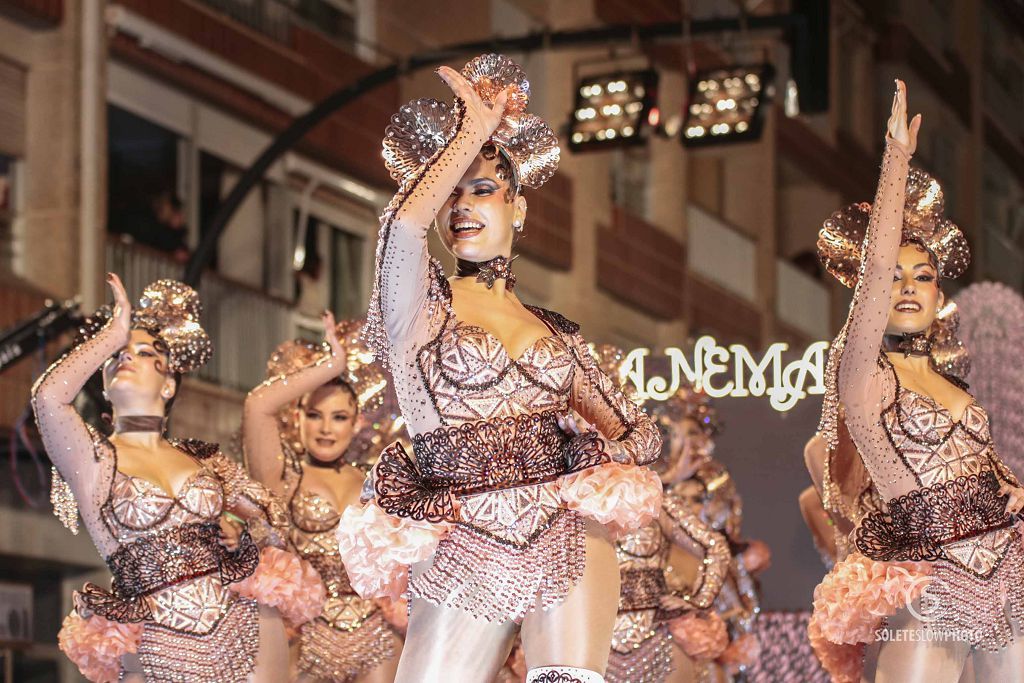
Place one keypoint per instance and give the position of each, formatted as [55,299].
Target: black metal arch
[797,24]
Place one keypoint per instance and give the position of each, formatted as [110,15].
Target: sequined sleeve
[261,440]
[687,530]
[602,404]
[81,457]
[399,305]
[865,387]
[1004,473]
[248,498]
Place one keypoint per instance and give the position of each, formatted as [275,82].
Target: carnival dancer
[182,604]
[942,557]
[698,482]
[525,509]
[300,432]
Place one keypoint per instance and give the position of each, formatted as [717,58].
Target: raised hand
[122,316]
[331,337]
[905,135]
[489,116]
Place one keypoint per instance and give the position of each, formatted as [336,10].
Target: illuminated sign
[732,371]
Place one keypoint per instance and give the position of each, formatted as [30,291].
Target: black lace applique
[642,589]
[478,457]
[557,320]
[165,559]
[197,448]
[919,523]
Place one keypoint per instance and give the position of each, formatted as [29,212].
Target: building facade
[124,124]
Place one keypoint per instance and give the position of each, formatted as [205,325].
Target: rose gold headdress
[687,403]
[170,310]
[841,238]
[378,407]
[424,126]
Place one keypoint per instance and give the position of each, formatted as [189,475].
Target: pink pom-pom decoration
[96,644]
[377,548]
[742,652]
[396,612]
[851,600]
[701,635]
[624,497]
[850,603]
[757,557]
[843,662]
[286,582]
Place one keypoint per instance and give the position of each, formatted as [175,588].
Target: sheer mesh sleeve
[687,531]
[82,458]
[261,440]
[1004,473]
[601,403]
[400,301]
[865,386]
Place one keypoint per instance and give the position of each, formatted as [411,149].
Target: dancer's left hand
[230,533]
[1016,501]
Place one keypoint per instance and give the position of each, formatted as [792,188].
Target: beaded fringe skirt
[227,654]
[333,654]
[959,601]
[650,661]
[496,580]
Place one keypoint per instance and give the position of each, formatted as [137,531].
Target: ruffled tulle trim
[96,644]
[702,635]
[850,603]
[377,549]
[622,497]
[286,582]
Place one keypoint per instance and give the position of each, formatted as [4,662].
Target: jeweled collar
[908,343]
[488,272]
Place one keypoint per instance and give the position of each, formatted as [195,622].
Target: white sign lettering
[709,369]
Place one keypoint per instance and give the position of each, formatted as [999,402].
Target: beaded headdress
[378,406]
[687,403]
[170,310]
[423,127]
[841,238]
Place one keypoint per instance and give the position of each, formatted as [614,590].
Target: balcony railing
[721,254]
[244,324]
[274,18]
[801,301]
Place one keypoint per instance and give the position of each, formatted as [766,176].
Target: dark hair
[491,151]
[341,384]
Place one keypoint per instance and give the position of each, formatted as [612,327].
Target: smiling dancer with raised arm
[949,500]
[298,429]
[486,385]
[153,506]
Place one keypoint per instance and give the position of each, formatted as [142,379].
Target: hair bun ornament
[423,127]
[949,355]
[841,238]
[172,309]
[415,134]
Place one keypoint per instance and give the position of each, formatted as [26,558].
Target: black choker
[487,272]
[332,465]
[140,423]
[908,343]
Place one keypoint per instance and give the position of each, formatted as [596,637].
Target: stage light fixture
[615,109]
[727,105]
